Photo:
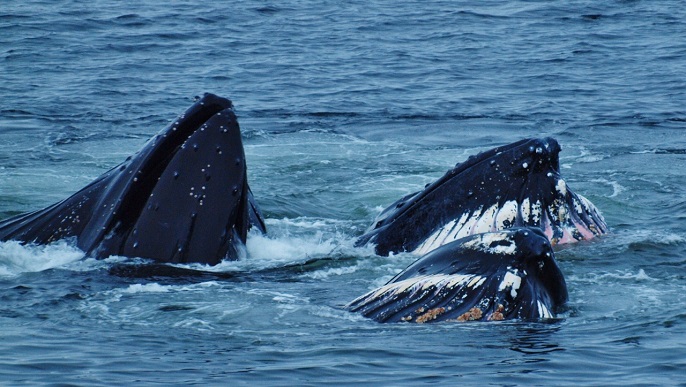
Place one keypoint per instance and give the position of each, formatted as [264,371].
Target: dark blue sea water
[344,108]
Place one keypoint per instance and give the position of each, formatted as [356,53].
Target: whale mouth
[517,185]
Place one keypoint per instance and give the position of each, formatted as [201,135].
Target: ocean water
[344,107]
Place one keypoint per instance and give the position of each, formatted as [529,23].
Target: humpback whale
[183,198]
[516,185]
[509,274]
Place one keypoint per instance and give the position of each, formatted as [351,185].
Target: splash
[289,241]
[16,258]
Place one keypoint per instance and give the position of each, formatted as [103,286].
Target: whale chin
[517,185]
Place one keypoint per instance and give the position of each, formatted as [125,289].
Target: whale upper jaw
[517,185]
[183,198]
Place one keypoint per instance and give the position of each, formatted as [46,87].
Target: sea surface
[344,108]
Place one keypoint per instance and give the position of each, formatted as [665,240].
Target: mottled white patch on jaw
[476,282]
[507,213]
[486,221]
[577,204]
[452,231]
[561,187]
[438,238]
[511,281]
[465,225]
[462,228]
[543,311]
[470,223]
[584,204]
[484,242]
[554,210]
[568,219]
[525,209]
[536,212]
[422,283]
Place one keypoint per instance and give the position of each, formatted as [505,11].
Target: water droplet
[470,193]
[176,175]
[195,147]
[135,245]
[525,165]
[238,160]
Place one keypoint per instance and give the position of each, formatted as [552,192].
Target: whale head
[184,197]
[509,274]
[517,185]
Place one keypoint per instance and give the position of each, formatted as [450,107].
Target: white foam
[616,187]
[334,272]
[289,241]
[584,156]
[262,247]
[626,275]
[146,288]
[16,258]
[154,287]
